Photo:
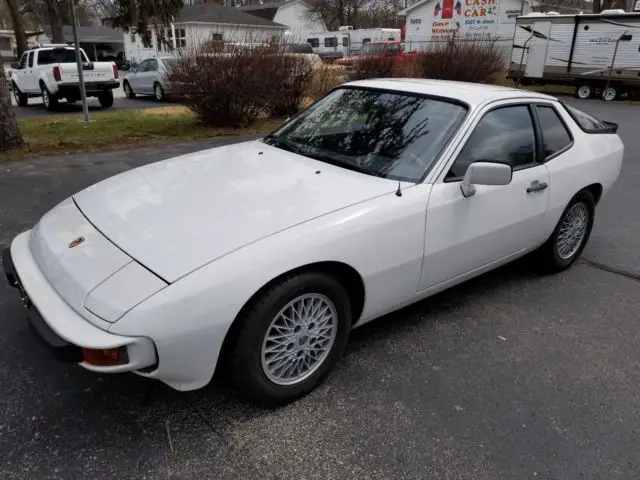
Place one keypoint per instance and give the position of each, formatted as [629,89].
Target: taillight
[56,74]
[115,71]
[106,357]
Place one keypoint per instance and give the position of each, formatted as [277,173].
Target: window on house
[217,37]
[132,37]
[331,42]
[345,41]
[314,42]
[181,38]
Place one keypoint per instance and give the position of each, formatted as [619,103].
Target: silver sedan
[148,78]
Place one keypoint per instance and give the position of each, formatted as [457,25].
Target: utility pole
[76,41]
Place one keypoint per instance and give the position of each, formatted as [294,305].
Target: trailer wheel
[611,93]
[584,91]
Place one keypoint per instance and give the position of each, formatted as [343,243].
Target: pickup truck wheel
[22,99]
[50,102]
[106,99]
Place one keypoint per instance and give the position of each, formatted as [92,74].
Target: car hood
[176,215]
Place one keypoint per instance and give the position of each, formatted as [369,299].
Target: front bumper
[91,88]
[58,326]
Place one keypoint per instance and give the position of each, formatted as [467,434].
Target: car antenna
[398,191]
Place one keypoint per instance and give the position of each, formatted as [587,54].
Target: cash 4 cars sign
[469,18]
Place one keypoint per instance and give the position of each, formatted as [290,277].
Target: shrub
[236,86]
[374,66]
[462,60]
[324,79]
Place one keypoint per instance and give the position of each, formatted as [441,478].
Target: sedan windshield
[386,134]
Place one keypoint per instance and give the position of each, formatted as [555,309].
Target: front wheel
[571,234]
[106,99]
[128,91]
[290,338]
[158,92]
[584,91]
[22,99]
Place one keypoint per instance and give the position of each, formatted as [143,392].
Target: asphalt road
[36,109]
[510,376]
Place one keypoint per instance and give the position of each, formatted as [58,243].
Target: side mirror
[485,173]
[15,66]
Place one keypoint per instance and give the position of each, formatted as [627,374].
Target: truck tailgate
[95,72]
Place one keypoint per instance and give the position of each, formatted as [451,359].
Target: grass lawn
[63,134]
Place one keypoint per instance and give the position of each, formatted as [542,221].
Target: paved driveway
[510,376]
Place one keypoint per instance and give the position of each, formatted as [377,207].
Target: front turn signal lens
[106,357]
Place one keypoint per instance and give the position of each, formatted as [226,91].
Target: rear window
[58,55]
[589,123]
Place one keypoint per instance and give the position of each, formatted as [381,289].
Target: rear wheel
[290,338]
[584,91]
[50,102]
[571,234]
[158,92]
[106,99]
[128,91]
[22,99]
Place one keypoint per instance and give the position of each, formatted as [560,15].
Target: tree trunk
[597,6]
[18,26]
[55,19]
[9,131]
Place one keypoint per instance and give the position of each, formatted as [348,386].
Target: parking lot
[510,376]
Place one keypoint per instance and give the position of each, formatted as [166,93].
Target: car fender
[382,239]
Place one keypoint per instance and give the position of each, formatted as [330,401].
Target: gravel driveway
[510,376]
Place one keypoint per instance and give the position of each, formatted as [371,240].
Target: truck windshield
[59,55]
[394,135]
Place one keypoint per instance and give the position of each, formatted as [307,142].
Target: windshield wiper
[282,143]
[338,163]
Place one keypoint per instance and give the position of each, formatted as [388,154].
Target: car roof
[473,94]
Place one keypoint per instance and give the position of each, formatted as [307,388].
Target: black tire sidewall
[155,95]
[585,197]
[106,99]
[581,86]
[247,372]
[53,102]
[128,90]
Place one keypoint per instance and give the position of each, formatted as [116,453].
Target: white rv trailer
[596,53]
[347,40]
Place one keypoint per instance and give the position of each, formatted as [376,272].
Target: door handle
[536,186]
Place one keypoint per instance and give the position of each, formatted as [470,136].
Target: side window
[504,135]
[144,66]
[331,42]
[314,42]
[23,60]
[345,41]
[30,59]
[555,136]
[152,66]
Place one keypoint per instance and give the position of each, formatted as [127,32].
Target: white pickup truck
[51,72]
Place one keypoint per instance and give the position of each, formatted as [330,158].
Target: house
[99,43]
[429,21]
[295,14]
[7,44]
[197,24]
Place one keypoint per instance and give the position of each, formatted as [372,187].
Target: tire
[251,375]
[50,102]
[551,256]
[106,99]
[22,99]
[611,93]
[128,91]
[158,92]
[584,91]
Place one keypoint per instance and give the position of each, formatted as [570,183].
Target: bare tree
[18,25]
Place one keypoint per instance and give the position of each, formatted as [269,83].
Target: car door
[149,77]
[20,73]
[465,235]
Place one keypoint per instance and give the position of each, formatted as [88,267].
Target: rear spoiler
[611,126]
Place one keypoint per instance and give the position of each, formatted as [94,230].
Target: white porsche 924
[258,258]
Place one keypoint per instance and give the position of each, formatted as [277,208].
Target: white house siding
[300,20]
[439,20]
[198,33]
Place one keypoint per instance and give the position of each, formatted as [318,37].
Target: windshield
[386,134]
